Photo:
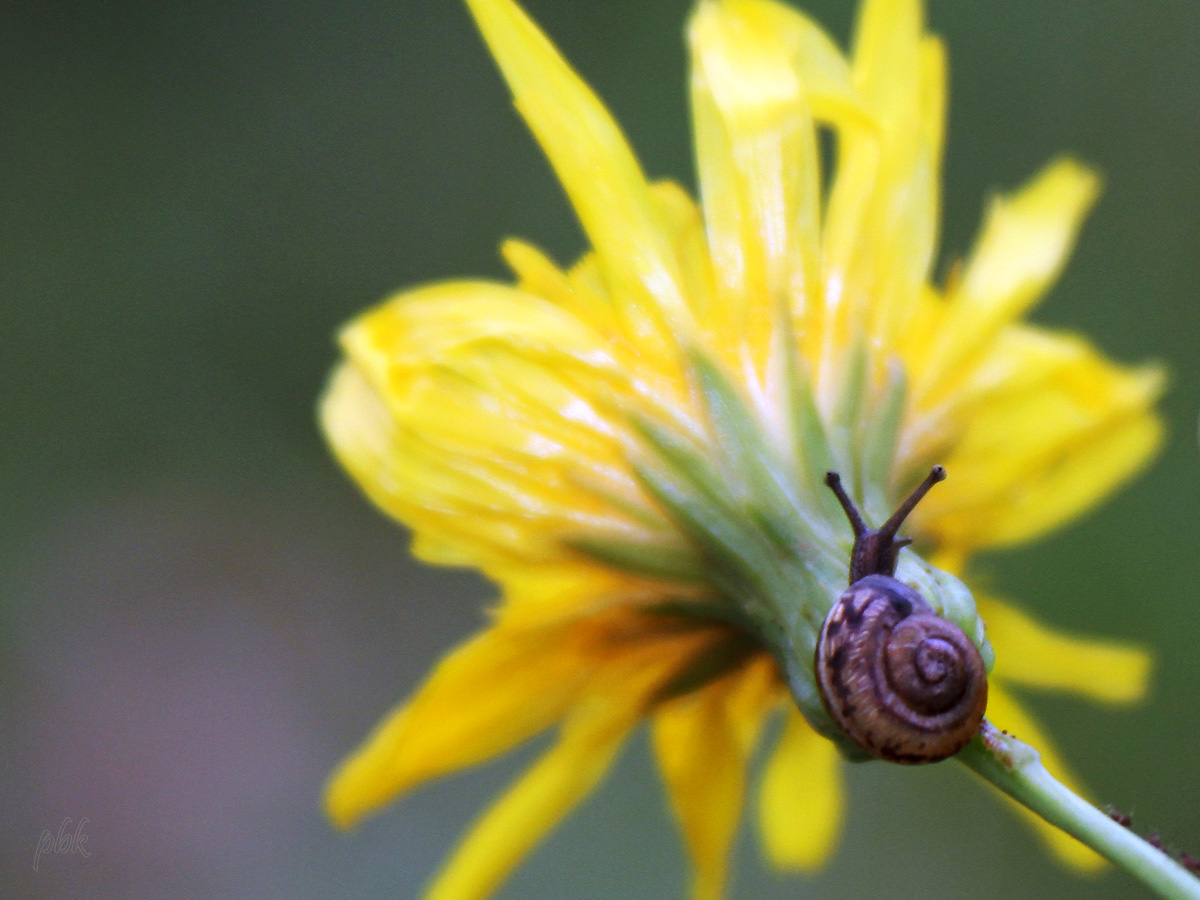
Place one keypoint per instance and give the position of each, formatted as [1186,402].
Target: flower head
[634,448]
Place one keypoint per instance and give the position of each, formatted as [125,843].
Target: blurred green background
[198,613]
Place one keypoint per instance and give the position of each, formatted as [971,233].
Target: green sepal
[710,664]
[880,438]
[809,440]
[844,427]
[663,562]
[767,545]
[751,464]
[703,613]
[738,560]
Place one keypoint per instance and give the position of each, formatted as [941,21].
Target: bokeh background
[198,613]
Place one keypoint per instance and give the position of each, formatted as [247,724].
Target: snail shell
[904,684]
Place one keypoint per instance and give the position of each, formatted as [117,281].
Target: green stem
[1017,770]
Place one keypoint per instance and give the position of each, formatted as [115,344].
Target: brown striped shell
[903,683]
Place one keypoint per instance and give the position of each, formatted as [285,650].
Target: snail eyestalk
[892,525]
[875,550]
[834,481]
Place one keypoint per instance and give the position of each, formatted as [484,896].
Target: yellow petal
[538,275]
[884,208]
[583,292]
[758,165]
[493,692]
[885,54]
[801,798]
[683,225]
[1025,241]
[819,63]
[597,169]
[703,742]
[1005,713]
[632,664]
[908,206]
[1051,428]
[536,802]
[1029,653]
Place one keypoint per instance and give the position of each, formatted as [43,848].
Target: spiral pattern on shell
[903,683]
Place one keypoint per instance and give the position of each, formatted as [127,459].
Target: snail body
[901,682]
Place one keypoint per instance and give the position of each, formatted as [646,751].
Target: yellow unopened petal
[1029,653]
[474,413]
[801,798]
[703,742]
[597,169]
[682,221]
[908,208]
[1005,713]
[820,64]
[491,693]
[582,290]
[887,62]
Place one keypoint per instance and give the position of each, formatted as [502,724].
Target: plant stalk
[1016,769]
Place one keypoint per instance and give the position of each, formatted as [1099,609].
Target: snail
[902,683]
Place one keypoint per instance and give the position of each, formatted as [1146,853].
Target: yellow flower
[632,448]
